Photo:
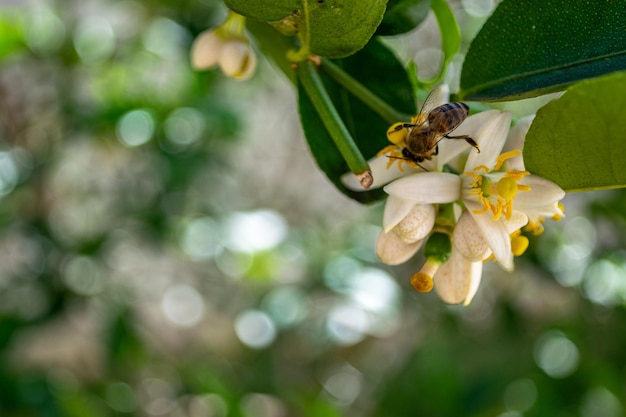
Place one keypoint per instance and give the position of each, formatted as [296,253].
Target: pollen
[397,134]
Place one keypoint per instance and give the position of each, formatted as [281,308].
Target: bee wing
[436,98]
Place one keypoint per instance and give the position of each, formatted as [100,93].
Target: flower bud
[206,50]
[237,59]
[392,251]
[417,224]
[469,240]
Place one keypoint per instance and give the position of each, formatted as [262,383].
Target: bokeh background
[168,248]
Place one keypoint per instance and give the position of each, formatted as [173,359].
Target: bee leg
[467,139]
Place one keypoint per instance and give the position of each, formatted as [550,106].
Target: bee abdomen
[448,116]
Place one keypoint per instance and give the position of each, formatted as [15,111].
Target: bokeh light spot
[183,305]
[94,40]
[9,173]
[344,386]
[600,402]
[255,329]
[347,324]
[286,306]
[135,128]
[556,354]
[604,282]
[83,275]
[120,397]
[255,231]
[200,239]
[44,30]
[184,126]
[520,395]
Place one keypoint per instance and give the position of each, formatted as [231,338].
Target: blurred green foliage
[163,253]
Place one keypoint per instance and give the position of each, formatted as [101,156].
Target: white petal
[518,219]
[206,50]
[457,280]
[515,141]
[380,173]
[392,251]
[469,240]
[417,224]
[396,209]
[497,236]
[542,192]
[490,137]
[427,187]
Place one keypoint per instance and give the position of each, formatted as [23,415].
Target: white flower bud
[237,59]
[417,224]
[469,240]
[392,251]
[457,280]
[206,50]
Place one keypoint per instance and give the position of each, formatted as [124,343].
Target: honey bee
[419,139]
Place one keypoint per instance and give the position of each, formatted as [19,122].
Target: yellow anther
[482,168]
[503,157]
[535,227]
[519,244]
[397,134]
[516,175]
[559,216]
[523,187]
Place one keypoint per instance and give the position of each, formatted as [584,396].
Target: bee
[419,139]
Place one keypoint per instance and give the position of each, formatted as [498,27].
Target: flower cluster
[464,219]
[225,46]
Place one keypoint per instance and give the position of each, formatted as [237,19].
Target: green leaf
[331,28]
[528,48]
[366,127]
[11,39]
[264,10]
[579,140]
[339,28]
[403,16]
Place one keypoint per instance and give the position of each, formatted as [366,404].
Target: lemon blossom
[225,46]
[500,197]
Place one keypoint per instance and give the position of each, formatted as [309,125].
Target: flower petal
[457,280]
[490,137]
[497,236]
[396,209]
[515,141]
[381,174]
[542,192]
[427,187]
[392,251]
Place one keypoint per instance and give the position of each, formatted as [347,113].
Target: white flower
[499,202]
[227,47]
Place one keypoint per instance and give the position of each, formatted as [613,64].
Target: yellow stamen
[559,216]
[535,226]
[503,157]
[482,168]
[516,175]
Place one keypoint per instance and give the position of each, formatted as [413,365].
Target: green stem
[315,90]
[363,93]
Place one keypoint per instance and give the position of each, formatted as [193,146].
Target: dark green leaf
[342,27]
[528,48]
[579,140]
[403,16]
[367,128]
[264,10]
